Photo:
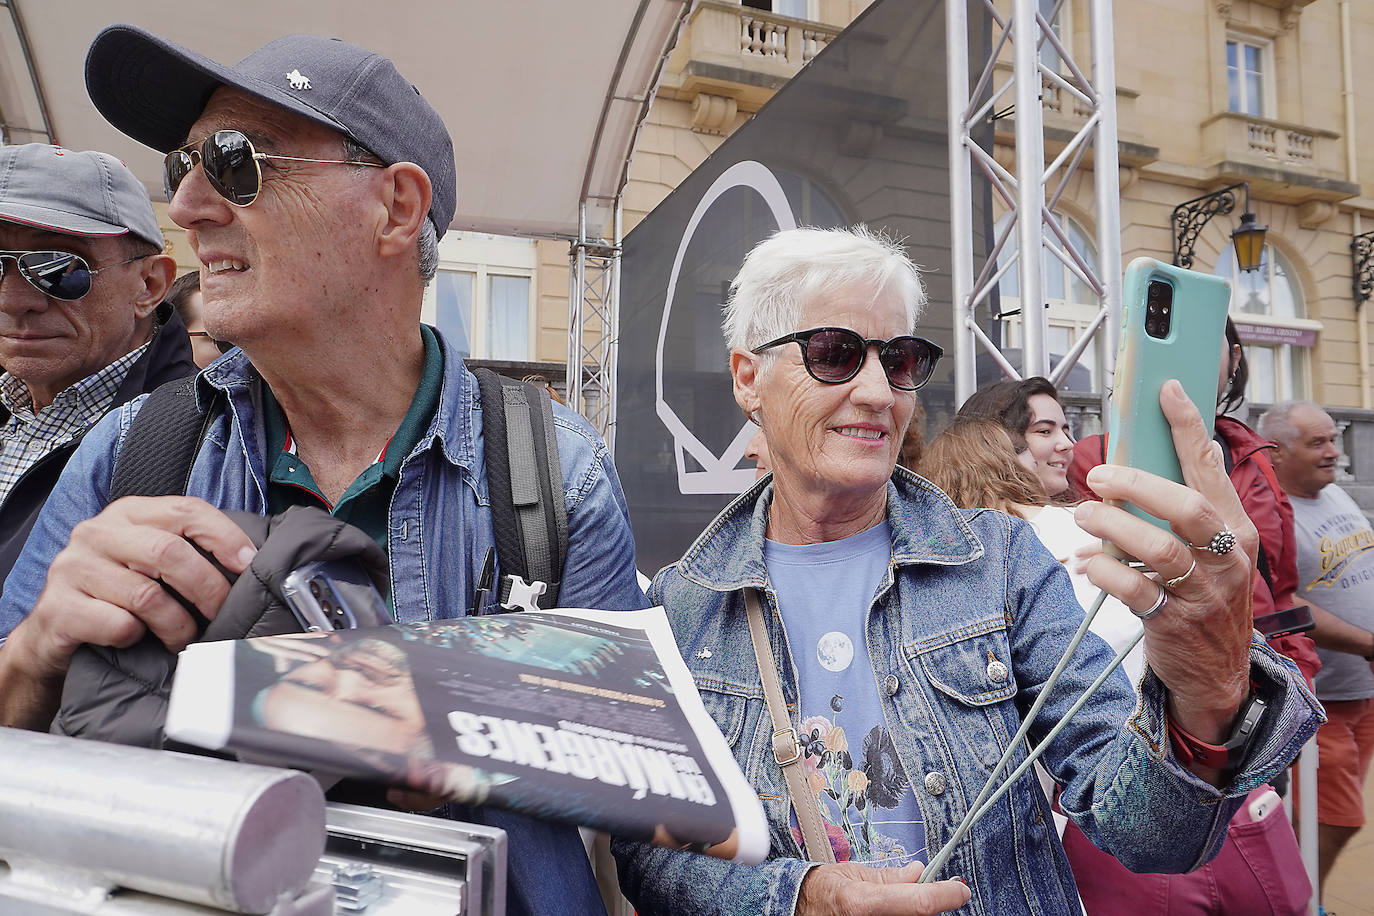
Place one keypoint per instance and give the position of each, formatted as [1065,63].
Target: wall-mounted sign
[1270,336]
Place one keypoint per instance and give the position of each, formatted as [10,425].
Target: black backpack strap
[161,445]
[525,486]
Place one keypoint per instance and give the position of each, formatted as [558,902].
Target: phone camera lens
[315,587]
[1152,308]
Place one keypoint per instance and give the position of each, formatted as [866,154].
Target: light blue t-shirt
[824,594]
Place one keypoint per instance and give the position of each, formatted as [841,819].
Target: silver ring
[1176,581]
[1154,608]
[1223,542]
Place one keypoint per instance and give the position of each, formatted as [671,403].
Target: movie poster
[585,717]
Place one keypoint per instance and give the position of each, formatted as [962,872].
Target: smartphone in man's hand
[334,595]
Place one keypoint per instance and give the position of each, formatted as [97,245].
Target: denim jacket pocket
[972,671]
[726,709]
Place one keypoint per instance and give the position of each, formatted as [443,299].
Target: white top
[1115,623]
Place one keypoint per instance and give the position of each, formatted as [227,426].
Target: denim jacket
[440,531]
[967,624]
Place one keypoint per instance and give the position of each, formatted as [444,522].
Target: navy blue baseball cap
[154,90]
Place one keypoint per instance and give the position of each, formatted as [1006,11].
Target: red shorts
[1345,745]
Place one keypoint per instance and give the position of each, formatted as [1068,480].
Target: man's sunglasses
[835,355]
[58,274]
[231,166]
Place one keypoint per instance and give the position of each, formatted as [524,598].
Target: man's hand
[1198,644]
[851,890]
[104,589]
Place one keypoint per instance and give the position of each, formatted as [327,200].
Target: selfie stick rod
[974,815]
[1026,722]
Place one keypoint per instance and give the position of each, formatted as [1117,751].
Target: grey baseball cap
[88,193]
[154,90]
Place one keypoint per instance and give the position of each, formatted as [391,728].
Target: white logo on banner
[719,474]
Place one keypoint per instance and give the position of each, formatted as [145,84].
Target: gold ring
[1176,581]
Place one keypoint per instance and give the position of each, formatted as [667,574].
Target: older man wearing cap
[81,276]
[312,180]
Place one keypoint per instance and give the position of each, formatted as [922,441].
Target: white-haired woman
[909,637]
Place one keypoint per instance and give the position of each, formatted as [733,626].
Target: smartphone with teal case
[1173,325]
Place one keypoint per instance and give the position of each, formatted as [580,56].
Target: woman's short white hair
[793,266]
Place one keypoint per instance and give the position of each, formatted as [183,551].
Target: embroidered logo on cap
[297,80]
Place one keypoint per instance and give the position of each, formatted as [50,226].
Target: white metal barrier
[107,830]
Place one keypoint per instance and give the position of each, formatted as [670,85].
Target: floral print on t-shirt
[856,789]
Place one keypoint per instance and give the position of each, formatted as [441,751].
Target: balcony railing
[1291,162]
[766,35]
[1290,146]
[721,32]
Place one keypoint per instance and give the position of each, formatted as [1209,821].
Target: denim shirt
[440,529]
[970,619]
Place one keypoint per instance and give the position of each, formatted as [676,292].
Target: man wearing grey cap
[81,276]
[312,180]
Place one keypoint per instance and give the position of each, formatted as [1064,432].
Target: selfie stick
[978,808]
[974,815]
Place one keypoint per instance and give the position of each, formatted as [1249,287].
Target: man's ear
[745,371]
[157,272]
[406,196]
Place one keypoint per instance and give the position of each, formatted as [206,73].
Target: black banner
[859,136]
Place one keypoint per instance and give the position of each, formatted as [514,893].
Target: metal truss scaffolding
[594,327]
[1032,193]
[594,263]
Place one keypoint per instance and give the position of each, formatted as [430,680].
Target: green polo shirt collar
[365,502]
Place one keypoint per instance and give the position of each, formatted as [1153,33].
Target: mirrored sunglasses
[231,166]
[835,355]
[59,274]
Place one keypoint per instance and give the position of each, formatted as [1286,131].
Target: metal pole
[22,36]
[1106,182]
[612,348]
[960,200]
[1030,191]
[1307,815]
[575,311]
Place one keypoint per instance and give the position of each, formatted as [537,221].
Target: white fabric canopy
[541,96]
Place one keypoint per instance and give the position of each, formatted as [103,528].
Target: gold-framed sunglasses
[231,166]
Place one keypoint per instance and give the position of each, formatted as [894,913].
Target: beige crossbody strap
[786,748]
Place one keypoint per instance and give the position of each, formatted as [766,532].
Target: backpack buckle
[521,595]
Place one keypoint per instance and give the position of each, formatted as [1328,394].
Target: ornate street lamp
[1362,267]
[1190,216]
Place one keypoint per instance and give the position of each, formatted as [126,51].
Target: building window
[1072,305]
[1247,76]
[1059,23]
[797,9]
[508,317]
[453,307]
[483,296]
[1267,307]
